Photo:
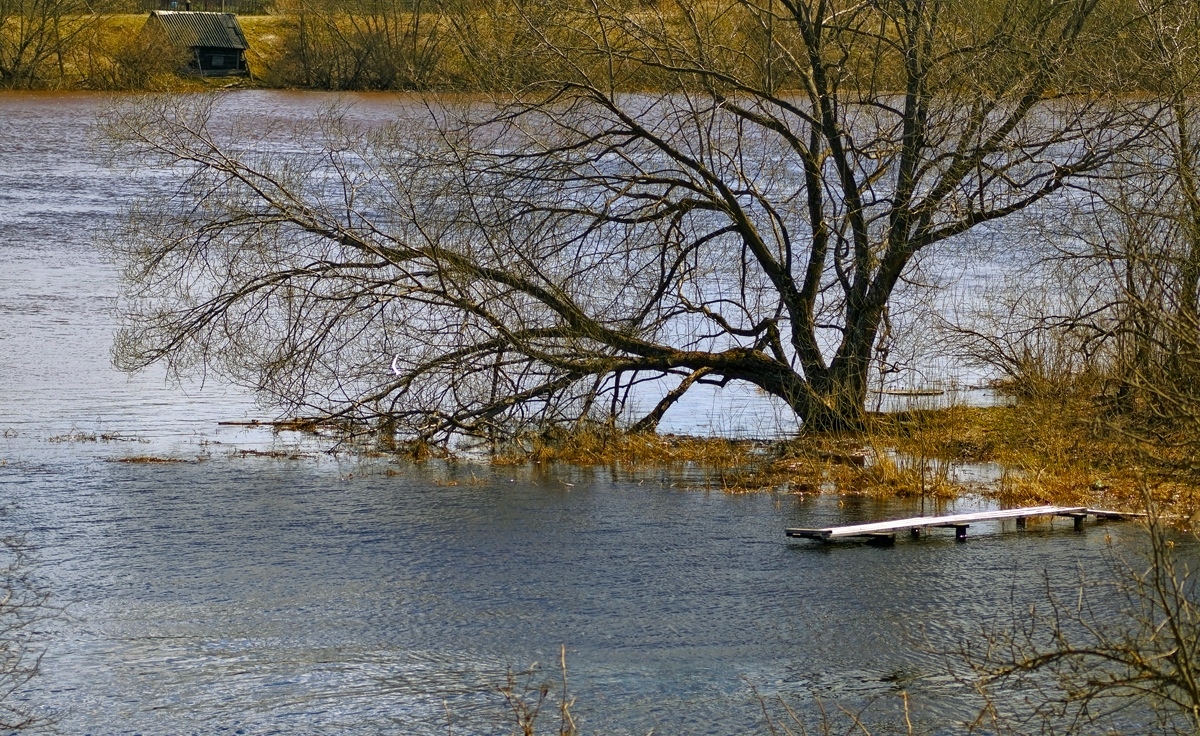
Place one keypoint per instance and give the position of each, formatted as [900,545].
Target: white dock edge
[959,522]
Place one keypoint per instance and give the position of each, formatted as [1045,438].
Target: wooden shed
[215,40]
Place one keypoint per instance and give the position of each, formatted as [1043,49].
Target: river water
[260,585]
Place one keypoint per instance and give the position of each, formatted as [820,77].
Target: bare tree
[38,37]
[490,266]
[365,44]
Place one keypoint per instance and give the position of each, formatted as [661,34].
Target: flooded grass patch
[1051,451]
[610,446]
[1063,451]
[78,436]
[277,454]
[1043,451]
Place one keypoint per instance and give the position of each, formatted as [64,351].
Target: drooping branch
[650,422]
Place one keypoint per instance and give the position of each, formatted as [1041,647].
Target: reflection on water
[325,595]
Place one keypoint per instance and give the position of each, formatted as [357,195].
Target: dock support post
[960,531]
[1022,522]
[1079,519]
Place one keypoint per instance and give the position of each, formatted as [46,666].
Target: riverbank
[414,45]
[1034,451]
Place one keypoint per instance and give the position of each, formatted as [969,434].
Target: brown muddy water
[318,593]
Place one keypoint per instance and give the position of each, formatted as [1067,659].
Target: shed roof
[193,29]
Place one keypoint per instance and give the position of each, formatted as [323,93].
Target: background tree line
[423,44]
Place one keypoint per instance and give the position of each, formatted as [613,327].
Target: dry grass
[1062,451]
[1054,450]
[815,463]
[612,447]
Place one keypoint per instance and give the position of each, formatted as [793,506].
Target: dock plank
[959,522]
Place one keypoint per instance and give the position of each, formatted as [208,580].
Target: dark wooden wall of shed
[231,61]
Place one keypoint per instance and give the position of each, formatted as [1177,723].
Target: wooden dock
[886,530]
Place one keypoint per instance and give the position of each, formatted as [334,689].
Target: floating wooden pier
[885,531]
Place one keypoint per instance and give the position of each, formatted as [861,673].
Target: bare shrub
[1036,335]
[1106,657]
[526,695]
[1114,306]
[24,606]
[42,40]
[146,62]
[362,44]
